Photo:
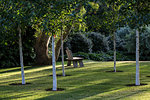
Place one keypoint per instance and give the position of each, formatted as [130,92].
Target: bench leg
[81,63]
[75,64]
[69,63]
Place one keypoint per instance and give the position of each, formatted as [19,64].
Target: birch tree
[138,16]
[16,16]
[51,24]
[114,51]
[21,56]
[54,64]
[137,81]
[62,52]
[113,20]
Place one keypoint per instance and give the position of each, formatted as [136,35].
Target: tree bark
[58,44]
[137,81]
[54,63]
[21,56]
[41,50]
[62,54]
[114,52]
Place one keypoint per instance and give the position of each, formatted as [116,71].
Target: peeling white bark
[137,81]
[21,56]
[54,63]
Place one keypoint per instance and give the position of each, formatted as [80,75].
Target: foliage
[48,17]
[9,48]
[79,42]
[93,42]
[99,42]
[125,42]
[121,38]
[144,44]
[136,13]
[44,16]
[102,56]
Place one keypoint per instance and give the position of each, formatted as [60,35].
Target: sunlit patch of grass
[91,82]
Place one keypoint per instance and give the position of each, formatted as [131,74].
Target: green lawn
[91,82]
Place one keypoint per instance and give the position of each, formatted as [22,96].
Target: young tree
[17,15]
[54,63]
[113,20]
[50,23]
[62,52]
[21,56]
[137,17]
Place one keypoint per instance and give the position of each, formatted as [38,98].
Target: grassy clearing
[87,83]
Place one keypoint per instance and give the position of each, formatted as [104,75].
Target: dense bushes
[144,44]
[87,42]
[78,42]
[102,46]
[99,42]
[102,56]
[91,45]
[9,49]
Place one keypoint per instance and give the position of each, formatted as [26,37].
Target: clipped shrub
[82,54]
[102,56]
[99,41]
[79,43]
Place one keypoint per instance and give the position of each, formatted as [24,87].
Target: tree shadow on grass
[19,84]
[92,91]
[61,75]
[87,88]
[141,84]
[95,90]
[7,70]
[114,71]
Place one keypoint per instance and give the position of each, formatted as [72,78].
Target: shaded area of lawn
[88,83]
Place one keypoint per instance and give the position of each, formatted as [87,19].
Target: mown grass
[91,82]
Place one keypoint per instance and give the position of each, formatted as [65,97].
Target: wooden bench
[74,59]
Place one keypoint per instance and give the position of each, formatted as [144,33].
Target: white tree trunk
[137,81]
[114,52]
[62,53]
[21,56]
[54,63]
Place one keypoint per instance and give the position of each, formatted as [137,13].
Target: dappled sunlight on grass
[120,93]
[3,75]
[91,82]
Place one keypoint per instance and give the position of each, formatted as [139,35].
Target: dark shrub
[78,42]
[99,41]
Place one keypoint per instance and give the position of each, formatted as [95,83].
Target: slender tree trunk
[54,63]
[41,50]
[21,56]
[62,53]
[137,81]
[58,44]
[114,52]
